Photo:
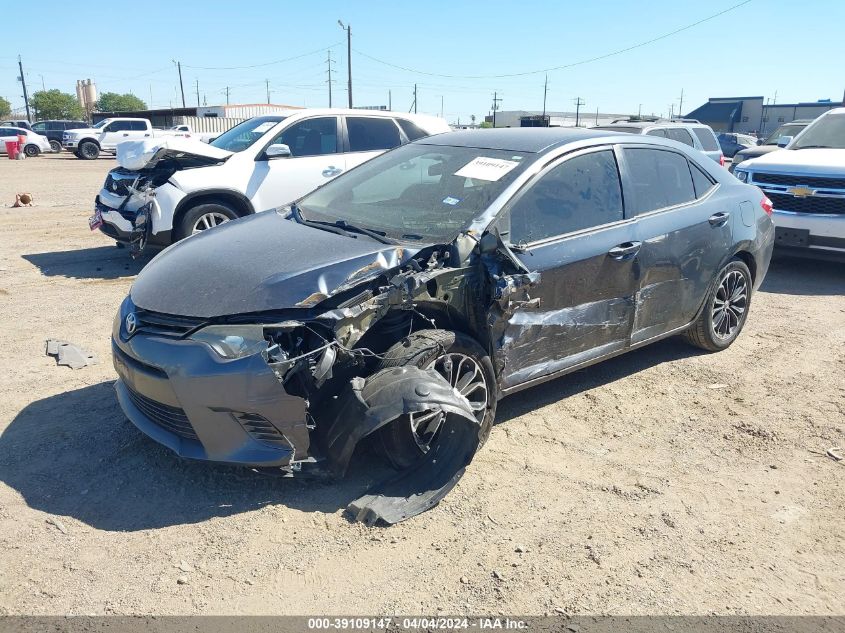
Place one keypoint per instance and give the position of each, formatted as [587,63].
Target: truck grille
[169,418]
[788,180]
[810,204]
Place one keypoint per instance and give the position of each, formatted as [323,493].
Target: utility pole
[681,104]
[578,103]
[227,95]
[389,100]
[640,111]
[597,116]
[23,83]
[267,83]
[181,85]
[348,30]
[198,93]
[329,63]
[545,92]
[415,98]
[441,106]
[496,100]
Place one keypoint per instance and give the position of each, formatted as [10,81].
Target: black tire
[192,216]
[77,154]
[56,146]
[720,322]
[31,151]
[88,150]
[425,349]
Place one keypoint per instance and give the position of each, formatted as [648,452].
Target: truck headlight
[741,175]
[233,341]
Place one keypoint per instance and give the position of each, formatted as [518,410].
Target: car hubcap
[208,221]
[729,304]
[465,375]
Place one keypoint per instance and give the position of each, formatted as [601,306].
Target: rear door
[315,159]
[367,137]
[570,224]
[684,234]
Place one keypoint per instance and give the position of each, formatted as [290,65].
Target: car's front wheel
[31,151]
[88,150]
[55,146]
[464,364]
[725,309]
[205,216]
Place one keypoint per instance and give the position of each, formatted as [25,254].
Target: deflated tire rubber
[421,349]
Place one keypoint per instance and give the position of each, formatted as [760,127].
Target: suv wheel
[725,309]
[55,146]
[88,150]
[464,364]
[205,216]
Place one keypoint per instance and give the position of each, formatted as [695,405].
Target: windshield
[784,130]
[243,135]
[825,132]
[97,126]
[417,192]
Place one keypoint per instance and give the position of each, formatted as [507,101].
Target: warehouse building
[752,115]
[168,117]
[534,118]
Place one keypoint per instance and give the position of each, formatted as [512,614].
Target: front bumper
[119,224]
[201,406]
[809,233]
[69,143]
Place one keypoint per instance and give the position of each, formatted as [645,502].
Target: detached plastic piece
[69,354]
[369,404]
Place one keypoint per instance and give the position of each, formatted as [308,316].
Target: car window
[708,141]
[580,193]
[658,132]
[138,126]
[681,135]
[311,137]
[119,126]
[659,178]
[412,130]
[701,181]
[368,134]
[7,132]
[39,127]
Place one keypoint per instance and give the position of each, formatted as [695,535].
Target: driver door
[315,159]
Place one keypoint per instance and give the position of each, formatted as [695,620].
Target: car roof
[527,139]
[15,127]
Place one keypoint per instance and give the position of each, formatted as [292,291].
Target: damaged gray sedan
[398,303]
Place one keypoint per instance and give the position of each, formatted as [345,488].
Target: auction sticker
[483,168]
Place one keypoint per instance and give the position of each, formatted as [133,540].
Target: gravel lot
[664,481]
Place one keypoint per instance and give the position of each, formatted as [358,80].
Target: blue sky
[756,49]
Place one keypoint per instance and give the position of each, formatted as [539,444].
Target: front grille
[262,430]
[118,182]
[810,204]
[166,324]
[169,418]
[790,180]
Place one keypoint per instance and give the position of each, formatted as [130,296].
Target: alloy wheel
[729,304]
[208,221]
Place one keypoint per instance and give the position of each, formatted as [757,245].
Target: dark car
[787,132]
[732,143]
[398,303]
[53,130]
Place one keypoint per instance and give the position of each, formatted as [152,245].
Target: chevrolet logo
[801,192]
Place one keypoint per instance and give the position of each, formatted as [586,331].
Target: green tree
[486,124]
[5,108]
[55,104]
[113,102]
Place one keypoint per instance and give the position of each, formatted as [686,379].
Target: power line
[563,66]
[278,61]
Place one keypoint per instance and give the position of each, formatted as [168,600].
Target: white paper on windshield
[483,168]
[260,129]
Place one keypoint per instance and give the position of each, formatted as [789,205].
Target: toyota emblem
[131,323]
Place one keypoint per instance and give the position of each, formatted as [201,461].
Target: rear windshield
[708,140]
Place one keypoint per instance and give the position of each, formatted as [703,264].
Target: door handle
[331,170]
[718,219]
[626,250]
[125,134]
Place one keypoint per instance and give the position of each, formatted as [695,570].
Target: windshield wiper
[341,227]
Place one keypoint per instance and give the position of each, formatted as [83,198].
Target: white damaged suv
[806,184]
[167,189]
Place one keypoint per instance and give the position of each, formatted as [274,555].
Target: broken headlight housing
[233,341]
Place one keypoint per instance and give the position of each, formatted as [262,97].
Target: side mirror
[759,141]
[277,150]
[783,141]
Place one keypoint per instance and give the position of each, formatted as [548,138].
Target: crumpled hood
[261,262]
[147,153]
[819,162]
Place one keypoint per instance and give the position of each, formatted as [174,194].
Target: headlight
[741,175]
[233,341]
[737,159]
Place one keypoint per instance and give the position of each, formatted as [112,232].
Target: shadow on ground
[102,262]
[74,454]
[796,276]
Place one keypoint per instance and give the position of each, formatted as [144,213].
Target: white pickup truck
[806,184]
[87,143]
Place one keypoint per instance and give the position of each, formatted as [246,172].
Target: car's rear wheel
[725,310]
[88,150]
[31,151]
[55,146]
[464,364]
[205,216]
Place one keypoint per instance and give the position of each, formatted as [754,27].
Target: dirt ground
[664,481]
